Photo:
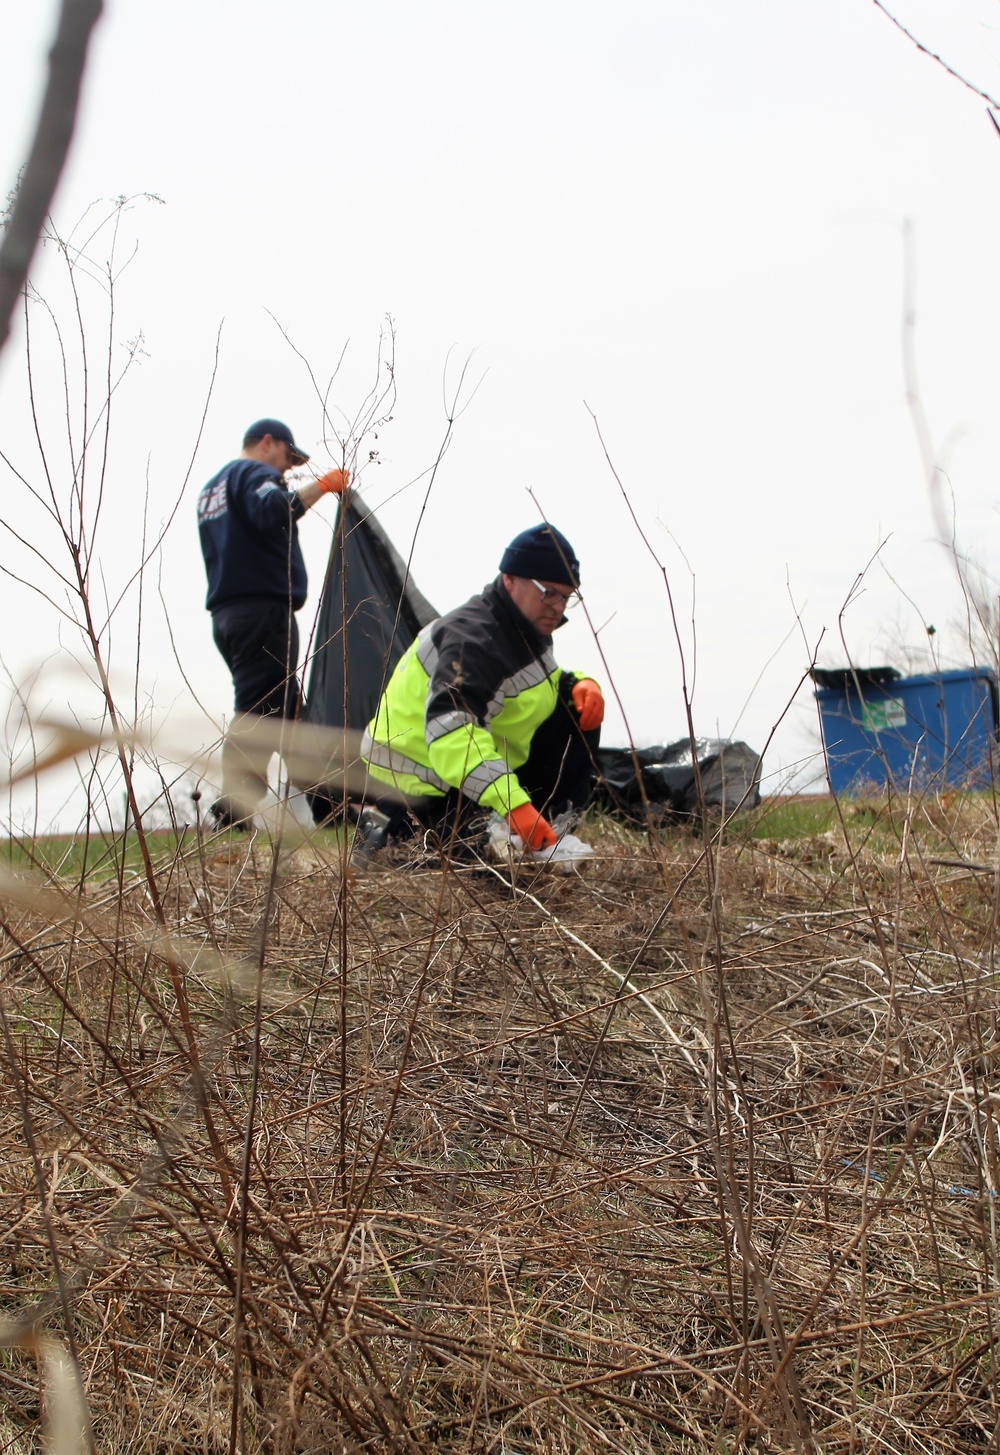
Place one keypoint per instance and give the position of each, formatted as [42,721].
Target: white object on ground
[564,856]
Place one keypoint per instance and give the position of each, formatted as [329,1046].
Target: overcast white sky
[688,218]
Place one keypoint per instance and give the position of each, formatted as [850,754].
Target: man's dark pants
[259,641]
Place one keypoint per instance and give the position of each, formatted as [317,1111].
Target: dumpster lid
[847,677]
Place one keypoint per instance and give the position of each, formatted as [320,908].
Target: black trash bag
[369,613]
[730,778]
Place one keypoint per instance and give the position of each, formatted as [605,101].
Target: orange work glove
[334,482]
[534,831]
[588,699]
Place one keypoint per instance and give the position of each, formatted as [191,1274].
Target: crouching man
[478,717]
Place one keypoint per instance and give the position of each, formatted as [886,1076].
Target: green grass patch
[795,818]
[103,856]
[98,855]
[958,824]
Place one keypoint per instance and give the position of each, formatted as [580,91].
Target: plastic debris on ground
[566,856]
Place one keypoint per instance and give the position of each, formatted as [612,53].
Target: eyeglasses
[566,599]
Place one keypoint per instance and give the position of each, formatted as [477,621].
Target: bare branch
[940,59]
[49,149]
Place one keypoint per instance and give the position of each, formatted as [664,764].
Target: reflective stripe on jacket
[464,703]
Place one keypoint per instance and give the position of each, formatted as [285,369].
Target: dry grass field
[693,1151]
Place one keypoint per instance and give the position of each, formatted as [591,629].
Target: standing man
[248,524]
[479,717]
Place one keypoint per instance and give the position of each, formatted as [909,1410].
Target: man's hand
[334,482]
[534,831]
[588,700]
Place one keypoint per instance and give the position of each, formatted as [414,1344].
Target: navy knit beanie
[542,553]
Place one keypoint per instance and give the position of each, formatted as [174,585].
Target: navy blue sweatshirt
[247,520]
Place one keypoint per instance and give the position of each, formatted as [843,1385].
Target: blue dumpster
[883,730]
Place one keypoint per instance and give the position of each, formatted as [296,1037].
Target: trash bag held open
[369,614]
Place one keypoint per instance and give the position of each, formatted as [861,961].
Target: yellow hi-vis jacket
[463,704]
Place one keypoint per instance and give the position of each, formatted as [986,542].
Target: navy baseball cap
[277,431]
